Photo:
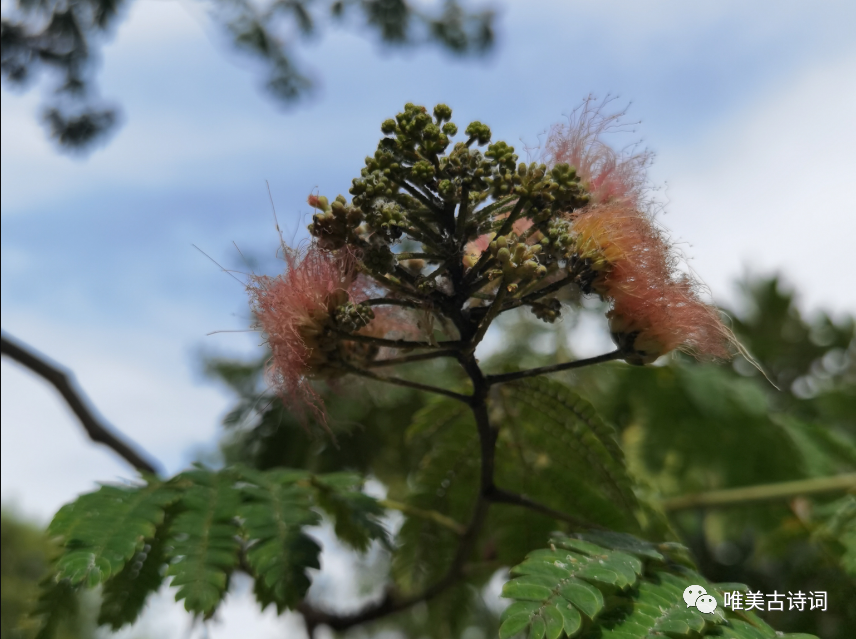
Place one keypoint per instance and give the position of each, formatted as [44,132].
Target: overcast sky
[748,106]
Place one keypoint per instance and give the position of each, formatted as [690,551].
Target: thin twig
[763,492]
[555,368]
[430,515]
[418,357]
[406,383]
[64,382]
[492,311]
[394,343]
[500,496]
[391,301]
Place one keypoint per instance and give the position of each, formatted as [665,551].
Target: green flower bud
[528,268]
[442,113]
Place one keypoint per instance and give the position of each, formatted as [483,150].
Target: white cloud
[770,188]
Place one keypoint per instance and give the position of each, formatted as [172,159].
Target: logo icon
[706,603]
[697,597]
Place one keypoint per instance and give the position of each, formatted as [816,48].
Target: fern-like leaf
[568,456]
[446,481]
[101,531]
[125,594]
[356,516]
[274,510]
[619,588]
[204,549]
[57,604]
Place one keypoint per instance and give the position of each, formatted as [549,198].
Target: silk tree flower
[608,174]
[655,307]
[297,312]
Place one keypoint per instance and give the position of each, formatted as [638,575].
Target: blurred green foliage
[25,554]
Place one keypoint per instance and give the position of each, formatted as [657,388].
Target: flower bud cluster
[547,310]
[518,261]
[335,225]
[379,259]
[350,317]
[324,353]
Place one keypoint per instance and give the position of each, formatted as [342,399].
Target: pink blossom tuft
[609,174]
[294,311]
[655,308]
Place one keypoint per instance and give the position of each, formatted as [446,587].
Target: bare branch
[419,357]
[406,382]
[63,381]
[394,343]
[764,492]
[492,311]
[430,515]
[500,496]
[543,370]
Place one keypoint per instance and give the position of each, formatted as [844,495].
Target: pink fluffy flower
[580,142]
[655,308]
[295,311]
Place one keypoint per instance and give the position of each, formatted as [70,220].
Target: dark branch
[407,383]
[64,383]
[394,343]
[390,301]
[500,496]
[419,357]
[543,370]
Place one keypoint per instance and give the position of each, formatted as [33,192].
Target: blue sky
[747,105]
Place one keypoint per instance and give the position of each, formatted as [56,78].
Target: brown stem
[543,370]
[391,301]
[406,382]
[63,381]
[393,343]
[500,496]
[418,357]
[418,256]
[492,311]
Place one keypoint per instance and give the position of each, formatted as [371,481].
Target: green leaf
[624,542]
[273,511]
[446,481]
[57,604]
[553,620]
[356,516]
[555,448]
[124,595]
[538,628]
[204,549]
[523,589]
[101,531]
[644,599]
[512,625]
[571,619]
[584,596]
